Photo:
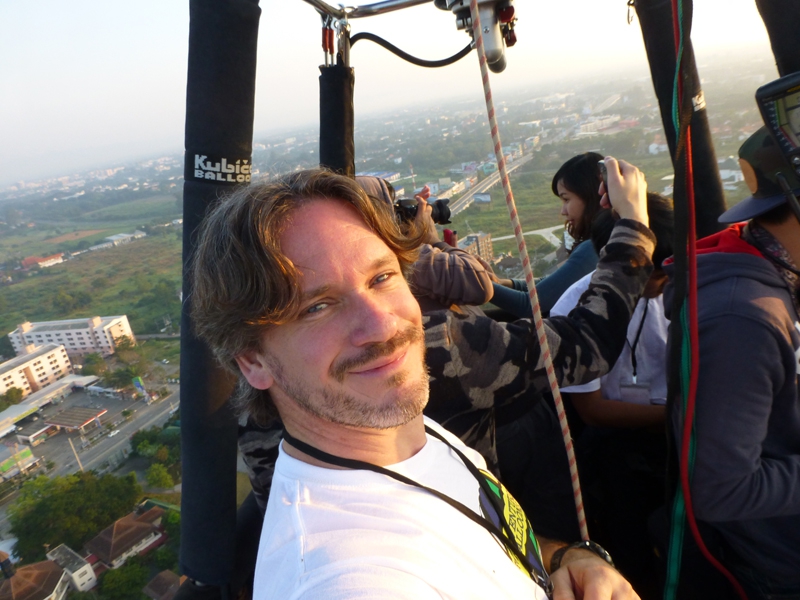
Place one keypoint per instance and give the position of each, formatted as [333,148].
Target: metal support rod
[782,20]
[367,10]
[220,101]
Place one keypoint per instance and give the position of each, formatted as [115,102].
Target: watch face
[594,547]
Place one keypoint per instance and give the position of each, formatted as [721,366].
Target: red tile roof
[117,539]
[32,582]
[35,260]
[164,586]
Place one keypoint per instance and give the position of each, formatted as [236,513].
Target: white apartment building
[77,568]
[36,368]
[79,336]
[125,238]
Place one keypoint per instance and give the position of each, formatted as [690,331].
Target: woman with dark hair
[576,183]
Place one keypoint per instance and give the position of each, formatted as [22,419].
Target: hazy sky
[87,83]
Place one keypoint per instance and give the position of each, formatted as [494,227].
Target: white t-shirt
[333,534]
[651,350]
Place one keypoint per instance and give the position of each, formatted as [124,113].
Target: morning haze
[92,83]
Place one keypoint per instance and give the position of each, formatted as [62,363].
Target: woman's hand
[423,218]
[627,193]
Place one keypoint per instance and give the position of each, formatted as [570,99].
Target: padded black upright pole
[655,18]
[220,98]
[336,144]
[782,20]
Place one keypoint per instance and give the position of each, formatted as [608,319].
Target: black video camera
[406,210]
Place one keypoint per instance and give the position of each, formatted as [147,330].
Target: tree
[162,455]
[13,395]
[146,435]
[165,292]
[82,298]
[125,583]
[146,449]
[71,510]
[99,283]
[166,558]
[172,525]
[73,595]
[6,349]
[158,477]
[124,342]
[121,378]
[63,302]
[93,364]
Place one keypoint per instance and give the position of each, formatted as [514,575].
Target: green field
[35,241]
[50,234]
[140,279]
[158,350]
[149,208]
[539,208]
[536,205]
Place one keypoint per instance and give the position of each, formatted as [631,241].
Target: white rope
[526,265]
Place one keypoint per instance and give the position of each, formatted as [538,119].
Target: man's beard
[343,409]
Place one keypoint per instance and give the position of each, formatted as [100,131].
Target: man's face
[355,355]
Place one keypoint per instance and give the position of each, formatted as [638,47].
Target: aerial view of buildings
[78,336]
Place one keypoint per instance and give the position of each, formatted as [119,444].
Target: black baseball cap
[761,160]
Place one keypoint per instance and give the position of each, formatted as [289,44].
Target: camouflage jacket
[478,365]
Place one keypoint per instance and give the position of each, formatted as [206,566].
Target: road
[57,448]
[546,233]
[464,201]
[144,418]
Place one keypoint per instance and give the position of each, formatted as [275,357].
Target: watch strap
[593,547]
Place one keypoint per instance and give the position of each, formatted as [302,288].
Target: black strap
[539,575]
[636,339]
[770,256]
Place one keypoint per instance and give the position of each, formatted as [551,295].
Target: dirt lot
[76,235]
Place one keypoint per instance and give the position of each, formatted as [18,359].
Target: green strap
[678,528]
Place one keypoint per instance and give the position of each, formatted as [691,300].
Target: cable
[688,435]
[526,264]
[431,64]
[690,356]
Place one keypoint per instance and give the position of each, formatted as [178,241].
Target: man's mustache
[410,335]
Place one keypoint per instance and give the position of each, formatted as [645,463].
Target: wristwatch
[594,547]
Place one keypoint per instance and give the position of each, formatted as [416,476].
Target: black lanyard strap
[636,339]
[536,571]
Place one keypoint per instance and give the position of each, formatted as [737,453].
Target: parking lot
[97,440]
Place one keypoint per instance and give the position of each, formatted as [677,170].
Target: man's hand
[423,219]
[585,576]
[628,191]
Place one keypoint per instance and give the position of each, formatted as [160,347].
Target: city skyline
[91,85]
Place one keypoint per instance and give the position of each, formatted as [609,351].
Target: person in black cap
[746,480]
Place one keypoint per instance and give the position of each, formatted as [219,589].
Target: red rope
[538,322]
[694,342]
